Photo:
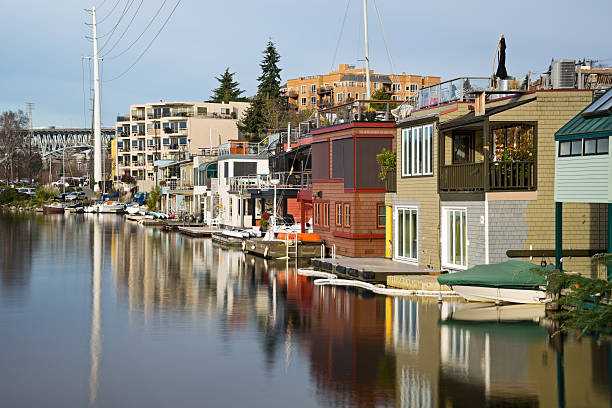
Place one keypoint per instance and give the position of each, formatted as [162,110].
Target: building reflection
[19,239]
[361,349]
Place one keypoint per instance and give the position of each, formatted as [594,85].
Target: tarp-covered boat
[511,281]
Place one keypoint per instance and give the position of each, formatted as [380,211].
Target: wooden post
[485,153]
[302,217]
[559,236]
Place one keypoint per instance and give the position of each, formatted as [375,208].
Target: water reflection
[185,321]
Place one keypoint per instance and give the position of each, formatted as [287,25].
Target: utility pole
[367,50]
[96,122]
[30,106]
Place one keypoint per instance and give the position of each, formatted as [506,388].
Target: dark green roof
[587,126]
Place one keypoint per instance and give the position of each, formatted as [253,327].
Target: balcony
[123,118]
[458,89]
[500,176]
[324,90]
[294,180]
[292,94]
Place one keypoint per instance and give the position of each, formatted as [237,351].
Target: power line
[111,12]
[124,31]
[348,3]
[141,34]
[128,5]
[101,4]
[149,45]
[382,29]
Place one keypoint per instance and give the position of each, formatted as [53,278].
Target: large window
[586,147]
[313,88]
[417,151]
[313,100]
[303,101]
[406,245]
[325,215]
[303,89]
[514,142]
[454,241]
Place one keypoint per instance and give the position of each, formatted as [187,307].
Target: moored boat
[53,208]
[111,207]
[511,281]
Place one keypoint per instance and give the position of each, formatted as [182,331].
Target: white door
[454,238]
[406,239]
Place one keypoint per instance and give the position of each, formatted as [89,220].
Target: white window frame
[396,245]
[303,101]
[313,100]
[417,144]
[445,244]
[303,89]
[339,97]
[313,88]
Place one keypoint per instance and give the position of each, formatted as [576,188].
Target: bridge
[54,142]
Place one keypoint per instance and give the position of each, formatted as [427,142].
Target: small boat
[111,207]
[53,208]
[483,312]
[511,281]
[135,210]
[90,209]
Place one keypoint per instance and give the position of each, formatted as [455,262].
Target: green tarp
[509,273]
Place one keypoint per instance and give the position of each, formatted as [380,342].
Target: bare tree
[12,140]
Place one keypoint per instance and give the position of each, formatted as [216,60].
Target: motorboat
[511,281]
[135,210]
[114,207]
[90,209]
[54,208]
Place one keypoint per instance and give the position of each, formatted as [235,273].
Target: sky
[43,43]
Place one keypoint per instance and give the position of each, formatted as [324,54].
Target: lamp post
[274,183]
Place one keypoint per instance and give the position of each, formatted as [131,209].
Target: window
[317,214]
[340,97]
[183,140]
[338,214]
[376,85]
[303,101]
[513,142]
[313,88]
[202,110]
[397,87]
[414,87]
[348,96]
[381,216]
[570,148]
[588,147]
[313,100]
[454,241]
[406,244]
[417,151]
[182,125]
[335,84]
[303,89]
[463,145]
[347,215]
[325,214]
[166,141]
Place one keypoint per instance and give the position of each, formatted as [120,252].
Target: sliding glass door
[406,240]
[455,242]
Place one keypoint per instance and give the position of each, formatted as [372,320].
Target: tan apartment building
[349,83]
[171,131]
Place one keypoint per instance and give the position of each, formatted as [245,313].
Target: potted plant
[370,114]
[387,160]
[263,224]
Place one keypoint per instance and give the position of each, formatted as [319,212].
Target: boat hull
[52,209]
[501,294]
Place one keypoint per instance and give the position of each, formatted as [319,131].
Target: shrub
[388,161]
[154,198]
[46,193]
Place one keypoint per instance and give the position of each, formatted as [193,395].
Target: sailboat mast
[367,49]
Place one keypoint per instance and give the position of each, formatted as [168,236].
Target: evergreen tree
[268,108]
[269,80]
[228,89]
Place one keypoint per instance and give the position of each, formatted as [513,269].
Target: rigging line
[124,31]
[382,29]
[149,45]
[104,1]
[141,34]
[111,12]
[348,3]
[128,5]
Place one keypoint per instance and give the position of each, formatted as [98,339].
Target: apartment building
[171,131]
[349,83]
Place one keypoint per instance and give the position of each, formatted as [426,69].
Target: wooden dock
[373,270]
[199,232]
[275,249]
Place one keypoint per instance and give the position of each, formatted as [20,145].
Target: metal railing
[294,180]
[123,118]
[457,89]
[209,151]
[241,148]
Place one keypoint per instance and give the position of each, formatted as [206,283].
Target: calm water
[98,312]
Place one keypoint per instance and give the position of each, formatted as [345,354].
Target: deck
[201,232]
[373,270]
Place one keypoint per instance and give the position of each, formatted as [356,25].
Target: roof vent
[562,73]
